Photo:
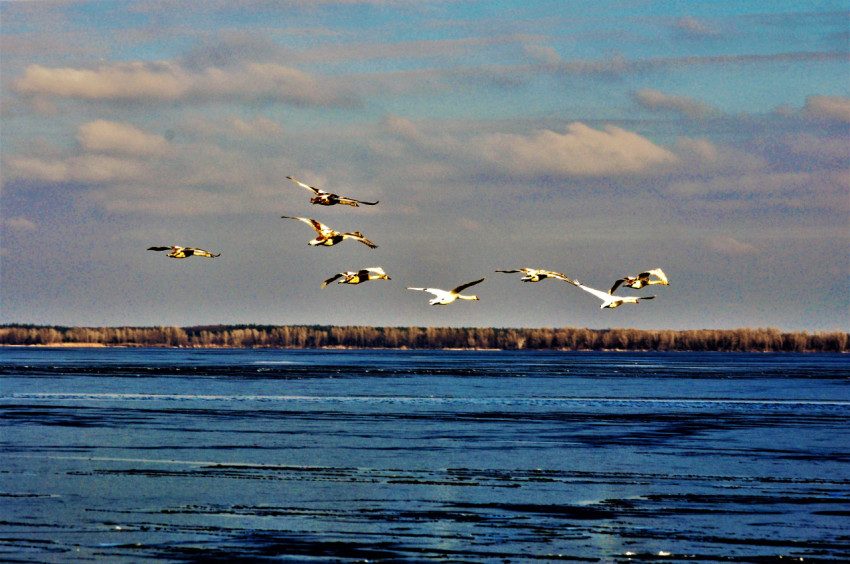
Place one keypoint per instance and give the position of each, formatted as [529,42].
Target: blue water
[164,455]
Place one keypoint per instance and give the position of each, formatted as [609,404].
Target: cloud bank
[170,82]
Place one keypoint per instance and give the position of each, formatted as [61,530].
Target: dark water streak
[403,456]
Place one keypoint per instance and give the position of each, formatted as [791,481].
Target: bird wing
[616,285]
[462,287]
[551,274]
[159,248]
[436,291]
[344,200]
[598,293]
[366,273]
[334,277]
[307,186]
[199,252]
[511,270]
[660,274]
[317,225]
[359,237]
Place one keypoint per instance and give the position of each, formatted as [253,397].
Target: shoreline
[339,348]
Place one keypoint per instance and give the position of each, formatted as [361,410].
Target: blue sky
[597,139]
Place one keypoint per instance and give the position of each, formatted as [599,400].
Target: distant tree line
[317,336]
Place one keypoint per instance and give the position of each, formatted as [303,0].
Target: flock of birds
[328,237]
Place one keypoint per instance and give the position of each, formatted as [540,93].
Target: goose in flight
[328,236]
[362,275]
[609,301]
[641,280]
[443,297]
[537,274]
[184,252]
[328,199]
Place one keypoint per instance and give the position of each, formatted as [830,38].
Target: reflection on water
[158,455]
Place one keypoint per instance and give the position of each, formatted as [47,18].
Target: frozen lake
[164,455]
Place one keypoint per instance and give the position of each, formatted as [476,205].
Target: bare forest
[316,336]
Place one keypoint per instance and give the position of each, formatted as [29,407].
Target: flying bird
[641,280]
[328,236]
[442,297]
[362,275]
[184,252]
[327,198]
[537,274]
[609,301]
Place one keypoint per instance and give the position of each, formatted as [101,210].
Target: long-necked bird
[324,198]
[641,280]
[185,252]
[362,275]
[328,236]
[537,274]
[443,297]
[609,301]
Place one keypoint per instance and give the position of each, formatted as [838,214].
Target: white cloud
[112,137]
[19,223]
[655,100]
[580,151]
[36,168]
[833,108]
[542,54]
[259,127]
[122,81]
[725,245]
[88,168]
[401,126]
[166,81]
[692,28]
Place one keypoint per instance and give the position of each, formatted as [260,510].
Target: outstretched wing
[558,275]
[312,189]
[616,285]
[199,252]
[462,287]
[353,202]
[512,270]
[159,248]
[334,277]
[373,269]
[660,274]
[359,237]
[317,225]
[598,293]
[434,291]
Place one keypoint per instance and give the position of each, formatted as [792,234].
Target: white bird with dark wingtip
[329,199]
[362,275]
[328,236]
[609,301]
[641,280]
[537,274]
[185,252]
[443,297]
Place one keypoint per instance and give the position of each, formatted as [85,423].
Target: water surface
[164,455]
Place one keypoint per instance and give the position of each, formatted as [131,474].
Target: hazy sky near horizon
[597,139]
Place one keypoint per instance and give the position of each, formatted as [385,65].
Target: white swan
[609,301]
[362,275]
[328,236]
[185,252]
[641,280]
[327,198]
[537,274]
[443,297]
